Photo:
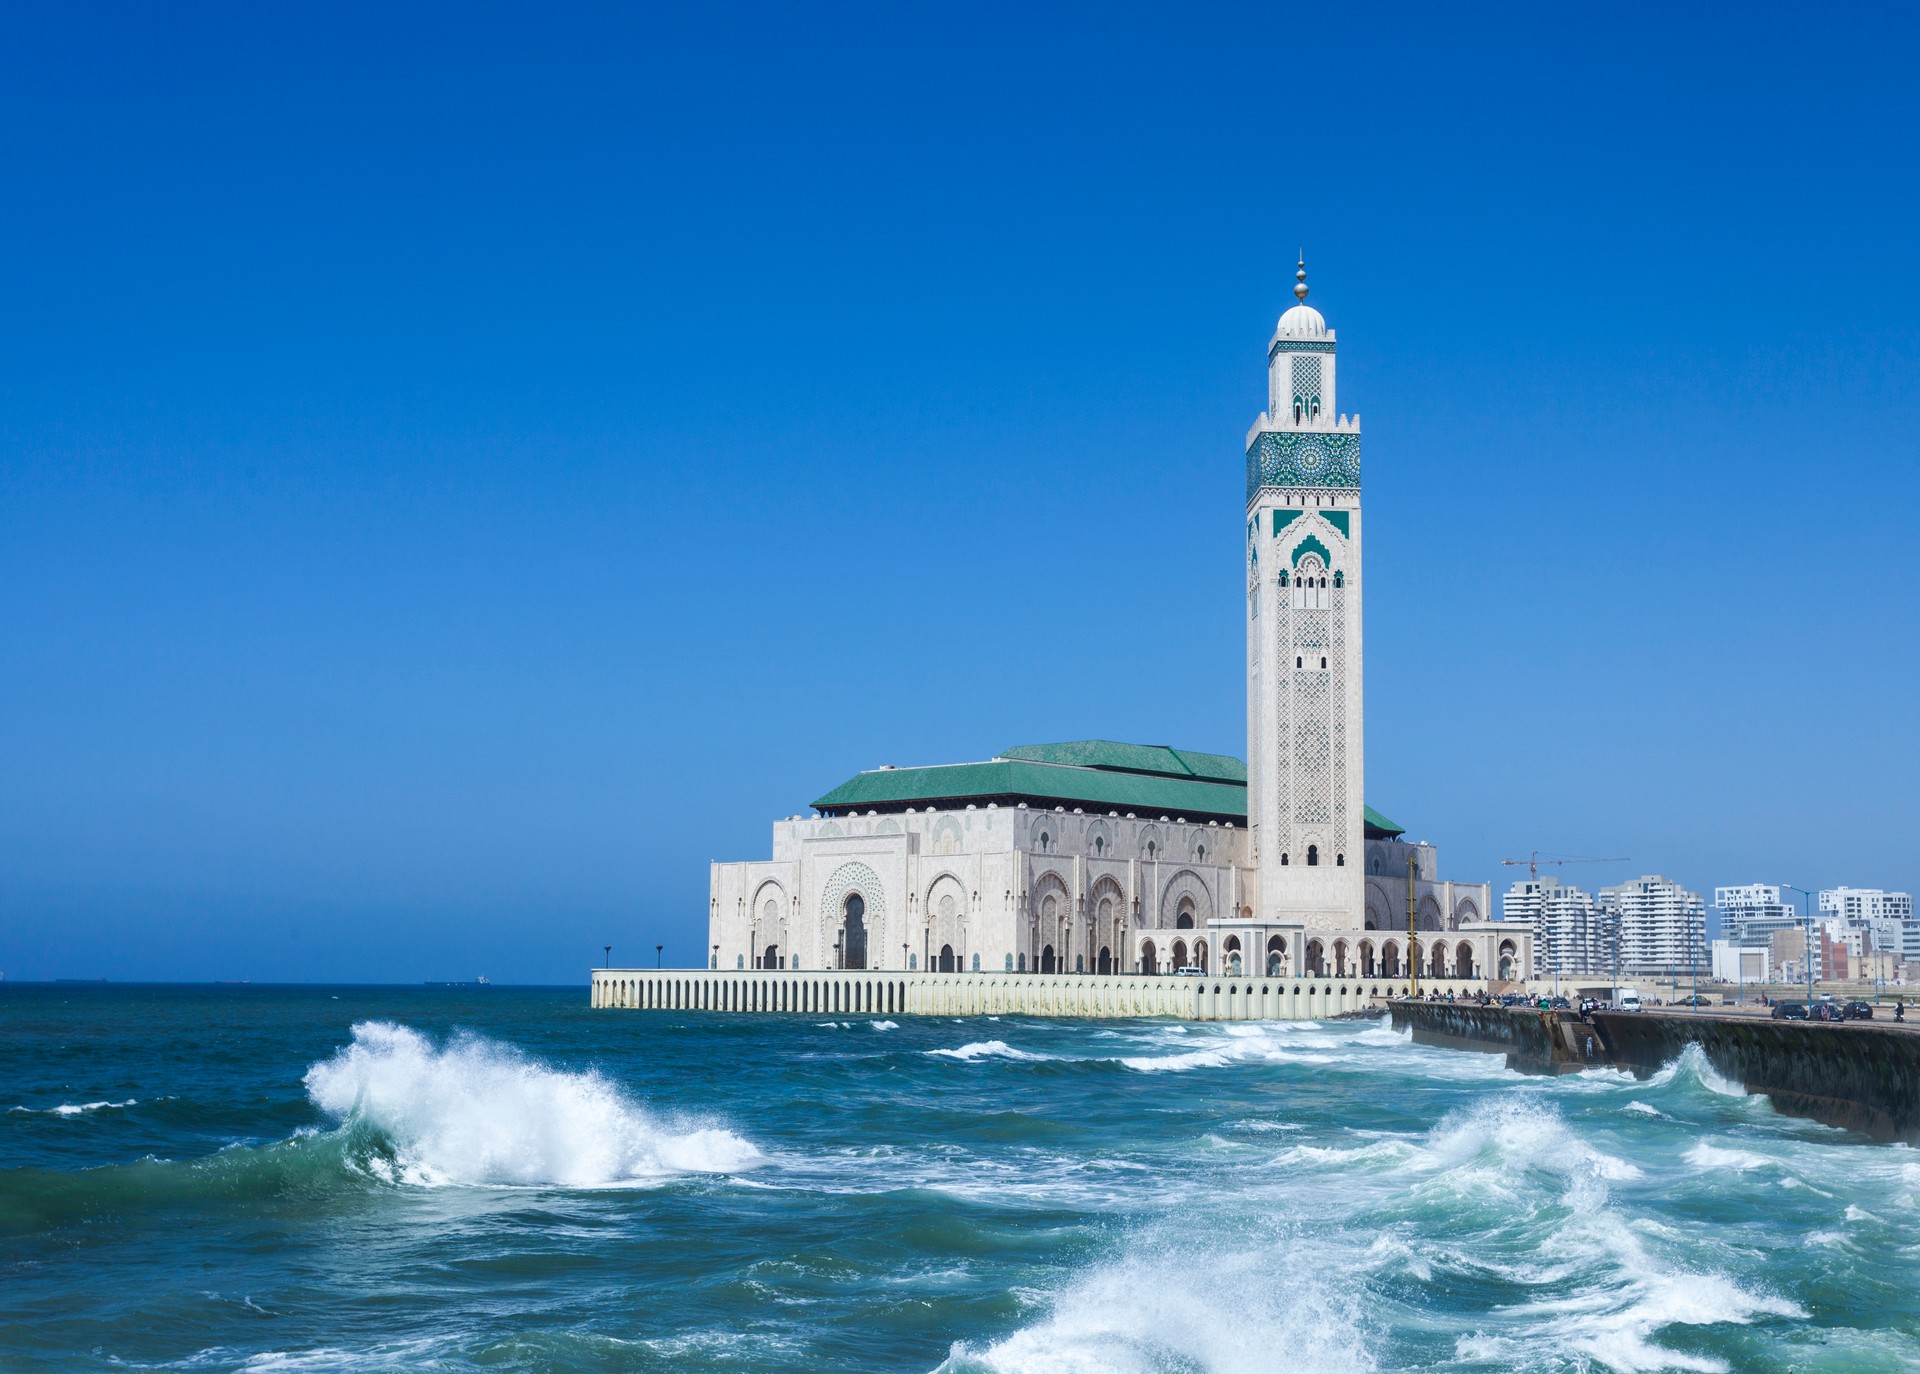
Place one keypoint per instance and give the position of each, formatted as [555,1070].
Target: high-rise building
[1571,935]
[1662,925]
[1883,920]
[1752,913]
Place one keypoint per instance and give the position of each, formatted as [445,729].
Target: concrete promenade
[878,992]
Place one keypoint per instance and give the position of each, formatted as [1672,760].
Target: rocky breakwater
[1861,1076]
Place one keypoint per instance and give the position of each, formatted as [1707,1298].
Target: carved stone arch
[1107,908]
[1049,923]
[945,912]
[1429,909]
[1153,844]
[946,836]
[1464,911]
[888,826]
[1099,839]
[1379,907]
[1185,884]
[852,879]
[830,830]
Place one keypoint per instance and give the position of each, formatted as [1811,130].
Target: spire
[1300,279]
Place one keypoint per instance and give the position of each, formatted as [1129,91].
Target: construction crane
[1532,864]
[1533,861]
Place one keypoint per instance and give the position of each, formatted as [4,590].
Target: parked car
[1826,1009]
[1858,1011]
[1698,999]
[1790,1011]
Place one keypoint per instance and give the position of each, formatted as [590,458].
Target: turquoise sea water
[498,1179]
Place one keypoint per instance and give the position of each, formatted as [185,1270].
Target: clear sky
[463,469]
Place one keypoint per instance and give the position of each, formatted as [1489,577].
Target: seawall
[881,992]
[1862,1076]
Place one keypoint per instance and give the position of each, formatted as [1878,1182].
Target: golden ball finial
[1300,281]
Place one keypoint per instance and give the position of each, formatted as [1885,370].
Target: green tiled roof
[1147,779]
[1158,759]
[1017,780]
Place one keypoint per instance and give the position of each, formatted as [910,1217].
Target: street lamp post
[609,953]
[656,955]
[1806,917]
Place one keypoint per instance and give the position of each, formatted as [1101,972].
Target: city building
[1571,935]
[1751,913]
[1662,925]
[1096,857]
[1738,963]
[1884,920]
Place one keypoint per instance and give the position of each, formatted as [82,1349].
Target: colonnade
[882,993]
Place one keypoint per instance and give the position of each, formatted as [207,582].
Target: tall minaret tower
[1304,736]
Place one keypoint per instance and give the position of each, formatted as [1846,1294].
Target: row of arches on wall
[823,994]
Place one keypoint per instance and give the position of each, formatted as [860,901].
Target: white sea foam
[1715,1157]
[884,1025]
[473,1111]
[1247,1306]
[1178,1063]
[1645,1109]
[1691,1064]
[76,1108]
[987,1049]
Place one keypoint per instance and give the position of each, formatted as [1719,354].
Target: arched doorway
[1149,957]
[1340,969]
[1507,953]
[1230,956]
[1105,964]
[1463,961]
[1184,921]
[1200,954]
[1437,963]
[1390,959]
[1316,958]
[1276,956]
[947,964]
[853,938]
[1367,969]
[1048,964]
[772,957]
[1180,955]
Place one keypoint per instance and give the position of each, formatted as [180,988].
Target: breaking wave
[474,1111]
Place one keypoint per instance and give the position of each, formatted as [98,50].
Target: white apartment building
[1662,925]
[1571,936]
[1883,920]
[1751,913]
[1738,963]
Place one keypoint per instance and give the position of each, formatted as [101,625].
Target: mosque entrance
[772,957]
[946,959]
[1048,964]
[1105,964]
[1149,958]
[853,939]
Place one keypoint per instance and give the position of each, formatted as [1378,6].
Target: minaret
[1304,726]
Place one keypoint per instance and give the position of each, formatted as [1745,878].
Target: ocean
[467,1179]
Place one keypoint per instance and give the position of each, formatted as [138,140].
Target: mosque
[1093,857]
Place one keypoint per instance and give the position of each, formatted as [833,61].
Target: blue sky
[462,469]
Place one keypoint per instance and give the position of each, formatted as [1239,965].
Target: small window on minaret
[1283,579]
[1339,860]
[1339,579]
[1299,662]
[1323,660]
[1283,861]
[1313,856]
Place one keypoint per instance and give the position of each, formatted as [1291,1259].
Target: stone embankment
[1860,1075]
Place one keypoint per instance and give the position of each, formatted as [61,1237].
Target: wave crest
[477,1112]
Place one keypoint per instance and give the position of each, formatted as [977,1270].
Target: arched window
[1150,848]
[1323,582]
[1283,861]
[1045,840]
[1313,856]
[1099,846]
[1299,662]
[1339,579]
[1200,853]
[1339,860]
[1283,579]
[1299,408]
[976,963]
[1323,660]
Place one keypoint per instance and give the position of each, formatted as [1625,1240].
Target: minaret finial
[1300,279]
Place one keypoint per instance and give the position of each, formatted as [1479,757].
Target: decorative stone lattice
[1306,380]
[853,877]
[1303,459]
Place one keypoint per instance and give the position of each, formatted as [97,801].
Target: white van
[1626,999]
